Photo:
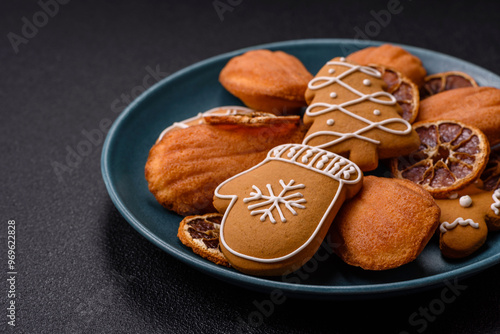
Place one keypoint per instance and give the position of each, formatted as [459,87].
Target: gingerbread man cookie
[277,213]
[466,220]
[350,114]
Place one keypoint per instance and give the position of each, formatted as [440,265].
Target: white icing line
[496,206]
[275,201]
[332,163]
[278,152]
[315,158]
[326,107]
[309,154]
[299,153]
[445,226]
[321,163]
[178,125]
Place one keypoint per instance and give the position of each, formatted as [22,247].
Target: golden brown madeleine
[477,106]
[392,56]
[386,225]
[186,165]
[269,81]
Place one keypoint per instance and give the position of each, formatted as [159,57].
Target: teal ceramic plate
[196,89]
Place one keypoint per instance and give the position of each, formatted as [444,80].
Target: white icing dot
[330,122]
[342,59]
[367,82]
[305,158]
[465,201]
[376,112]
[322,162]
[331,71]
[333,95]
[445,226]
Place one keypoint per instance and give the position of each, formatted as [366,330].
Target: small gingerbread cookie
[472,213]
[386,225]
[277,213]
[463,228]
[350,114]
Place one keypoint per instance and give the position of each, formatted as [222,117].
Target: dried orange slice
[491,174]
[440,82]
[199,119]
[451,156]
[248,119]
[403,89]
[201,234]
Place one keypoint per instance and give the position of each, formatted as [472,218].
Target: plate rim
[259,283]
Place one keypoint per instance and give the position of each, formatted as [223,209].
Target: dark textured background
[81,267]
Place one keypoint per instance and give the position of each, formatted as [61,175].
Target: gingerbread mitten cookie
[277,213]
[351,114]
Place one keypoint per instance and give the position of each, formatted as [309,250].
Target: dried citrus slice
[201,234]
[440,82]
[491,174]
[451,156]
[403,89]
[248,119]
[199,119]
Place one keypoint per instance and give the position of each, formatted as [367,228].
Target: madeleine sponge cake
[186,165]
[270,81]
[387,224]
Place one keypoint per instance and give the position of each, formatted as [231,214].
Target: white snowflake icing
[274,201]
